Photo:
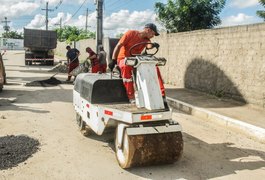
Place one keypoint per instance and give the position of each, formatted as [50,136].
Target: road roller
[145,132]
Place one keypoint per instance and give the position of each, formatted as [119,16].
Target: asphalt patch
[45,83]
[16,149]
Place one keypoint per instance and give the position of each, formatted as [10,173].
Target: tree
[119,35]
[187,15]
[261,13]
[72,33]
[12,35]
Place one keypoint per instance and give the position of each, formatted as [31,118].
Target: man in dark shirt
[72,60]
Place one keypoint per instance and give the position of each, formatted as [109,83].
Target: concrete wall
[11,44]
[80,45]
[225,62]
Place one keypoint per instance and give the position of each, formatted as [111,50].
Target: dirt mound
[16,149]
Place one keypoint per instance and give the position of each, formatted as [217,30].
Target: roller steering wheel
[145,52]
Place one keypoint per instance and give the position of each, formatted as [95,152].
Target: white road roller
[145,132]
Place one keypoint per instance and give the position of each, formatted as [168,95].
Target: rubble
[16,149]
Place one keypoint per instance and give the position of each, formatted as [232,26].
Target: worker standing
[95,67]
[129,39]
[102,59]
[72,60]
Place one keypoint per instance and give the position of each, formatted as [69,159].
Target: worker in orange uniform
[121,51]
[95,66]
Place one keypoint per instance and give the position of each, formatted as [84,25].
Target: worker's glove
[156,45]
[112,64]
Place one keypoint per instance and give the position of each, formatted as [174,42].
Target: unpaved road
[46,114]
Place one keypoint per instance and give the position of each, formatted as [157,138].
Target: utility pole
[60,24]
[47,10]
[86,18]
[6,27]
[99,34]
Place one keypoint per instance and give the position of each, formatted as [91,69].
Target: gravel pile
[62,68]
[16,149]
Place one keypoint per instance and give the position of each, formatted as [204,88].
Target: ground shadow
[200,99]
[206,77]
[201,160]
[36,96]
[108,136]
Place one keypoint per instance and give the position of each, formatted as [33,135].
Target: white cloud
[56,2]
[11,10]
[239,19]
[113,24]
[123,20]
[38,22]
[244,3]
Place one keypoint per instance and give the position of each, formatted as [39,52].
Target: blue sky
[119,15]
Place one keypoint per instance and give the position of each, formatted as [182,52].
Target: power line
[123,3]
[58,5]
[76,11]
[112,3]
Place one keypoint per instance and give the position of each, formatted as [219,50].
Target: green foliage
[12,35]
[261,13]
[187,15]
[119,35]
[72,33]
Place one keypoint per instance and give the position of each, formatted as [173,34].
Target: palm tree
[261,13]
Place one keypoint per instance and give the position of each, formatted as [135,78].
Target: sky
[118,15]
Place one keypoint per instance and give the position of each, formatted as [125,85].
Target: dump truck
[39,46]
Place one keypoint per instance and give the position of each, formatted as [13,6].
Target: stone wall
[225,61]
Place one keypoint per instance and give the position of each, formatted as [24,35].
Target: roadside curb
[249,129]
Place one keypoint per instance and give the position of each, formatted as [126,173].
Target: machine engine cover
[100,88]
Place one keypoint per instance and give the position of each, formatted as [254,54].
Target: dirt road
[46,114]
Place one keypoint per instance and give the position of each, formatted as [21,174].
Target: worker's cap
[153,27]
[68,47]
